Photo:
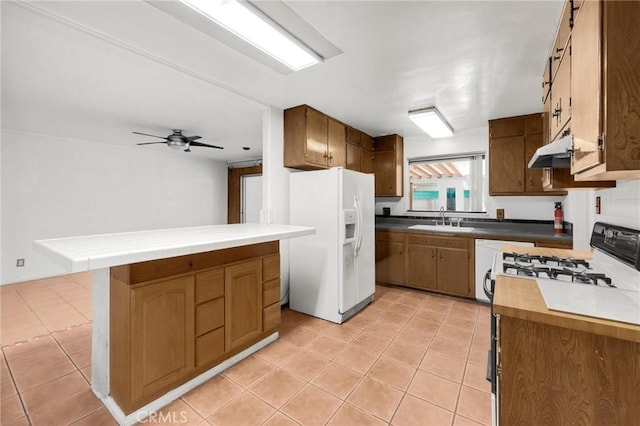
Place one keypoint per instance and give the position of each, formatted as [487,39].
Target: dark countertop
[509,230]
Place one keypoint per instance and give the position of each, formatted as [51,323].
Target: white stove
[606,286]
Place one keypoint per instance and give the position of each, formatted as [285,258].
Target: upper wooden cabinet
[388,166]
[512,142]
[560,116]
[605,82]
[359,151]
[312,140]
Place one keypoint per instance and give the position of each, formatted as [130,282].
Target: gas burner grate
[582,277]
[544,260]
[527,270]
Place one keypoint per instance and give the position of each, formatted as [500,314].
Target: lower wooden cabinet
[390,257]
[428,262]
[440,263]
[243,303]
[421,266]
[453,271]
[555,375]
[162,335]
[165,331]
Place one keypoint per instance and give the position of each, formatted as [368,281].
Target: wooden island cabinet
[172,319]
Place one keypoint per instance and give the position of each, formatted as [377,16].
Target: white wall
[619,206]
[467,141]
[55,188]
[276,186]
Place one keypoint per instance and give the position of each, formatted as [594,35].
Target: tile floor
[410,358]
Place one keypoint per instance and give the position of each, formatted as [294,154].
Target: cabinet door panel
[390,262]
[243,303]
[561,96]
[337,144]
[453,271]
[162,335]
[353,157]
[506,168]
[385,171]
[353,136]
[421,266]
[316,147]
[366,162]
[533,177]
[586,93]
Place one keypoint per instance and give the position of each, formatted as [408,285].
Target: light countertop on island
[86,253]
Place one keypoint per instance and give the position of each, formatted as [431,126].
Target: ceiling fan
[177,140]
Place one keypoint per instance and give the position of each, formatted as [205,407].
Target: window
[455,183]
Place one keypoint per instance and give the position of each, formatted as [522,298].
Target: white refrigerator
[332,273]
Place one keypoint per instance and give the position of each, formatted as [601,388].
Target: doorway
[250,198]
[237,201]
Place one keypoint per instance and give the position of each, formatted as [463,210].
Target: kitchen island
[174,307]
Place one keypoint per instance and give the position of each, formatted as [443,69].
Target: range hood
[556,155]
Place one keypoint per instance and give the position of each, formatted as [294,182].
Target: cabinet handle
[566,132]
[556,58]
[440,255]
[559,49]
[325,155]
[556,112]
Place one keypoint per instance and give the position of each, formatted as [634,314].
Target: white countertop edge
[73,260]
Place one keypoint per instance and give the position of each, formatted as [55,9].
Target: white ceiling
[97,70]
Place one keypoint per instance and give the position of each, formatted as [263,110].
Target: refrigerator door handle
[359,219]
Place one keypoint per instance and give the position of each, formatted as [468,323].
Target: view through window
[455,183]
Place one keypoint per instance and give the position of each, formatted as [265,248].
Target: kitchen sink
[443,228]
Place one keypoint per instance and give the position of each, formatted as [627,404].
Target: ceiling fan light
[431,122]
[175,144]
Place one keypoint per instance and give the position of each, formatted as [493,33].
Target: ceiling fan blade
[193,138]
[149,143]
[205,145]
[147,134]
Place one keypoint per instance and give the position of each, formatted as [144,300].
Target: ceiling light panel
[431,122]
[249,24]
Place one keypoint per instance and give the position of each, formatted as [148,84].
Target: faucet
[442,215]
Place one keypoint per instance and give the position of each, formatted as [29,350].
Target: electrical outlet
[499,214]
[19,263]
[598,205]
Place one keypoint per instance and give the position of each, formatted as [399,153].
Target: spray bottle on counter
[558,220]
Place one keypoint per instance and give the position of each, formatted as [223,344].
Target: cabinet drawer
[271,292]
[209,347]
[271,316]
[390,236]
[461,243]
[271,267]
[209,285]
[209,316]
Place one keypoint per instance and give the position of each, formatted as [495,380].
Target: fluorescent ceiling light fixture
[252,26]
[431,121]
